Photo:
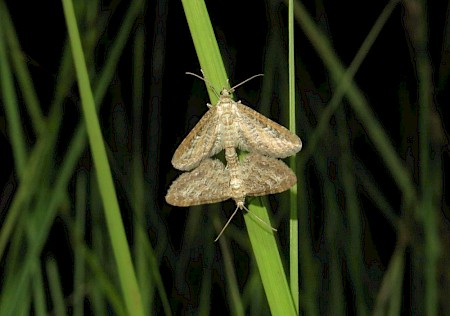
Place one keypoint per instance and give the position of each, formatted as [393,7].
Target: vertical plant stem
[114,222]
[205,43]
[263,242]
[79,275]
[137,181]
[14,124]
[293,218]
[21,71]
[354,244]
[427,211]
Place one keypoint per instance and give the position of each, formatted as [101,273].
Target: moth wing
[265,175]
[264,136]
[202,142]
[208,183]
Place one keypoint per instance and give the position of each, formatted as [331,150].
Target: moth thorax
[227,119]
[235,184]
[226,113]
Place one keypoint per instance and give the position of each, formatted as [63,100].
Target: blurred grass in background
[53,193]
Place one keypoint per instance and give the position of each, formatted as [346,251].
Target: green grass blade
[206,290]
[354,246]
[309,264]
[103,289]
[156,275]
[103,81]
[121,251]
[56,291]
[23,75]
[263,242]
[79,275]
[372,191]
[269,263]
[237,307]
[39,302]
[389,297]
[25,191]
[143,271]
[332,226]
[15,291]
[293,218]
[429,169]
[14,124]
[205,43]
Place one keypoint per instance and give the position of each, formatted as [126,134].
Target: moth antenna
[268,225]
[246,80]
[205,80]
[228,222]
[199,77]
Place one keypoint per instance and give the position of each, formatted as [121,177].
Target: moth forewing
[199,144]
[208,183]
[261,135]
[264,175]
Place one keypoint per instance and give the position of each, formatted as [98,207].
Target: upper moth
[253,132]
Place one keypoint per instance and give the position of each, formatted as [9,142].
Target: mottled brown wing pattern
[208,183]
[264,136]
[232,124]
[202,142]
[263,175]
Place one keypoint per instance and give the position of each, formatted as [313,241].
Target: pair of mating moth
[226,126]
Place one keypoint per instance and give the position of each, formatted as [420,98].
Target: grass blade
[114,222]
[15,131]
[263,242]
[293,218]
[269,263]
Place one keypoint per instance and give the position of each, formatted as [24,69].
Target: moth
[233,124]
[212,182]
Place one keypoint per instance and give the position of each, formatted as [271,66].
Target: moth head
[224,92]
